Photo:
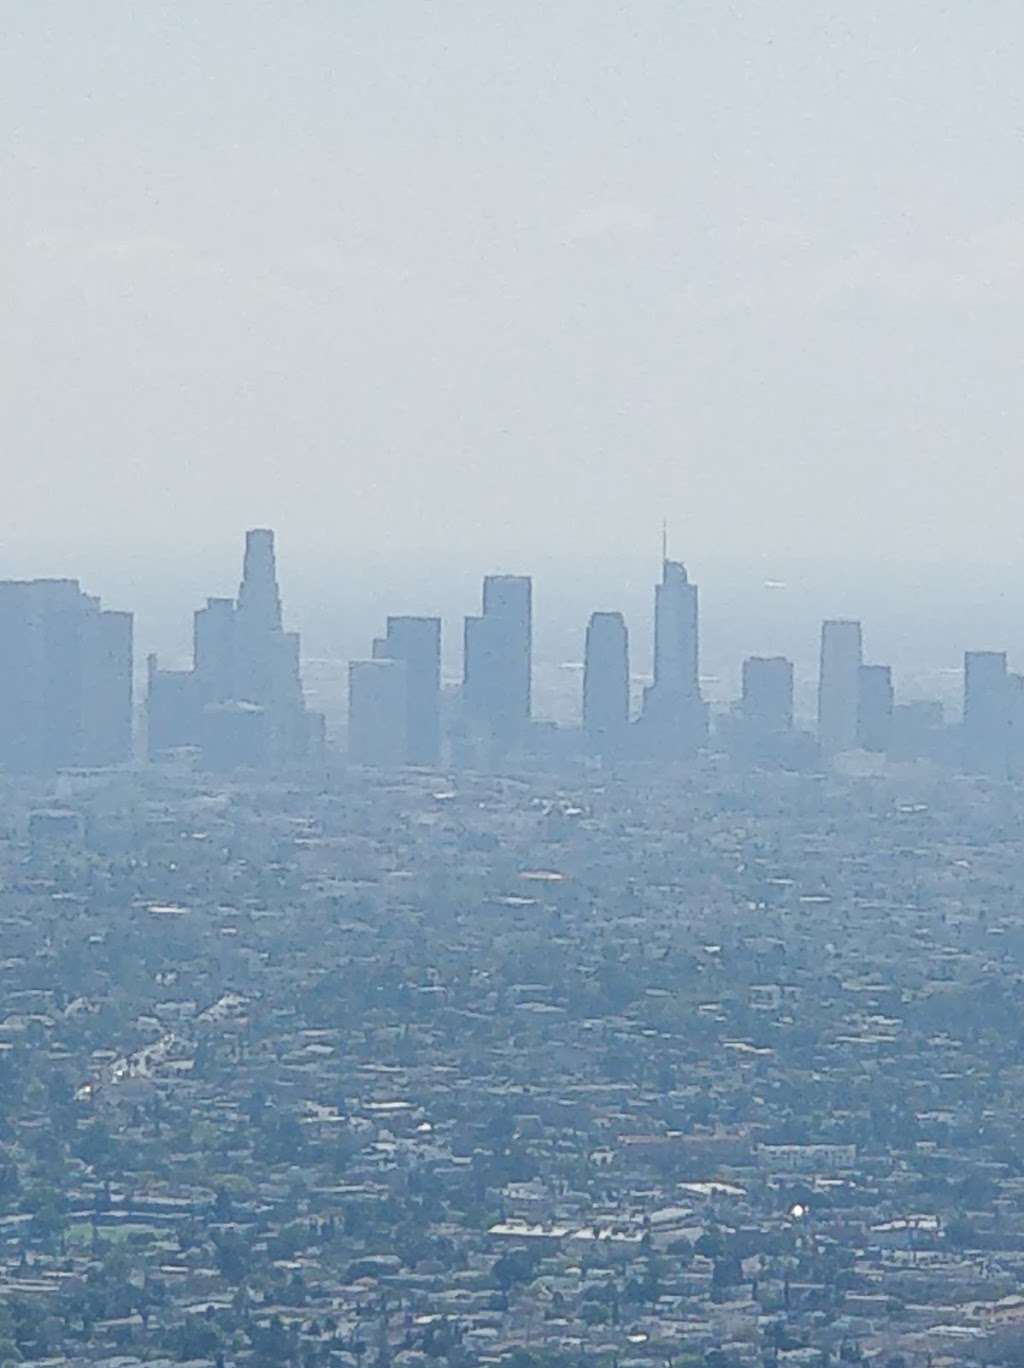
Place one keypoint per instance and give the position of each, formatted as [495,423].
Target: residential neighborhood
[617,1067]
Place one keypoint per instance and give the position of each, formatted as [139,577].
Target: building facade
[241,655]
[839,684]
[416,642]
[606,683]
[498,660]
[66,683]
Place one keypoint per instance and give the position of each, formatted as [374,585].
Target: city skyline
[242,702]
[922,618]
[512,685]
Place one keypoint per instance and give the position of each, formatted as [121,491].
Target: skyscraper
[241,654]
[107,686]
[213,650]
[264,659]
[259,599]
[378,712]
[674,714]
[606,683]
[173,710]
[416,641]
[987,713]
[767,705]
[234,736]
[874,707]
[498,661]
[918,731]
[66,681]
[839,684]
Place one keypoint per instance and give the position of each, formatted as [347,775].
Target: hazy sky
[512,279]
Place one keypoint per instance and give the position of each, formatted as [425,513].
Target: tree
[233,1256]
[517,1266]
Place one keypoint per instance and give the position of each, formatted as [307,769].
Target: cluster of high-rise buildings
[66,689]
[857,710]
[395,699]
[241,703]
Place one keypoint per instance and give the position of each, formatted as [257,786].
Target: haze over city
[511,685]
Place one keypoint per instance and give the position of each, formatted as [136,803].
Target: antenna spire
[664,540]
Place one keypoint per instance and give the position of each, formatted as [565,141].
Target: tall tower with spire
[676,635]
[674,714]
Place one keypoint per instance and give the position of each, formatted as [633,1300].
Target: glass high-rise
[606,683]
[498,663]
[839,684]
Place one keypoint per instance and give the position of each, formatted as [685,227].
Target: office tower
[839,685]
[234,735]
[59,671]
[213,650]
[66,681]
[767,704]
[874,707]
[108,687]
[676,634]
[173,710]
[918,731]
[259,599]
[606,683]
[258,633]
[478,652]
[986,729]
[293,725]
[508,602]
[266,658]
[416,642]
[498,660]
[19,697]
[241,654]
[378,711]
[674,715]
